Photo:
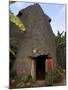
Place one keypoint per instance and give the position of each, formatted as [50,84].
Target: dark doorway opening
[40,67]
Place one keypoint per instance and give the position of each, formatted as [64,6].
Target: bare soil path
[40,83]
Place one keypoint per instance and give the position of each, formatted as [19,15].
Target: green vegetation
[60,38]
[13,52]
[58,75]
[61,49]
[14,80]
[20,82]
[13,43]
[14,19]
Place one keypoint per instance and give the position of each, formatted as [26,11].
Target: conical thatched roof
[38,38]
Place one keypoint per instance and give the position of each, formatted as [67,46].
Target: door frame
[33,69]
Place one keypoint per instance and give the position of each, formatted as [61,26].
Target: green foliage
[13,51]
[58,74]
[20,82]
[13,44]
[14,19]
[13,48]
[13,75]
[60,38]
[61,48]
[17,22]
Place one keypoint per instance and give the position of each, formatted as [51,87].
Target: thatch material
[37,40]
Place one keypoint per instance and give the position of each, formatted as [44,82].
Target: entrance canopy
[40,57]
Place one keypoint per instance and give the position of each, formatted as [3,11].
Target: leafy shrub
[58,75]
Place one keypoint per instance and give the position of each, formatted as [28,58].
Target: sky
[55,11]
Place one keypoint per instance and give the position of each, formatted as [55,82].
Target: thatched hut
[35,43]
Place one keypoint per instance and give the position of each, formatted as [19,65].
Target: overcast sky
[55,11]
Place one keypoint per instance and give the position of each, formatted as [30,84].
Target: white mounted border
[4,43]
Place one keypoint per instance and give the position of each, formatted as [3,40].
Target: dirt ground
[42,83]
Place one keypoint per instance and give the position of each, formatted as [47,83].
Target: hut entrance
[38,67]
